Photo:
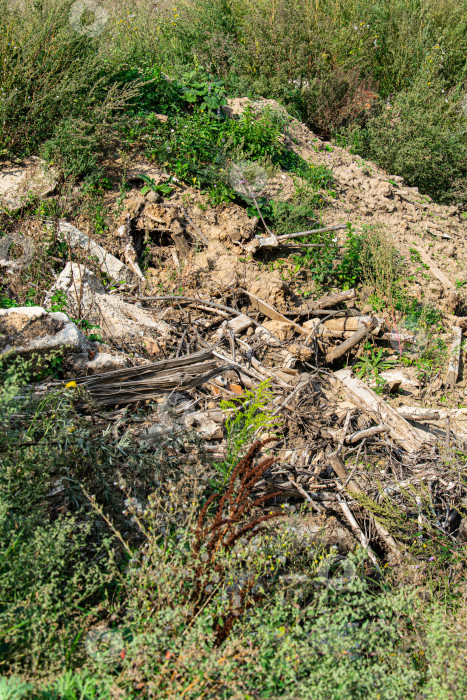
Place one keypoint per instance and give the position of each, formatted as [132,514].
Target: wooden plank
[361,333]
[323,303]
[272,313]
[421,413]
[404,434]
[331,299]
[455,358]
[435,271]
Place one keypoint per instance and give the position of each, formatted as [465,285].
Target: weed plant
[389,81]
[327,266]
[248,417]
[371,364]
[116,578]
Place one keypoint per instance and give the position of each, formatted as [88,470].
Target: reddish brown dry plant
[230,524]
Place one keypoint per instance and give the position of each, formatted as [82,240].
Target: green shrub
[76,567]
[56,95]
[330,61]
[56,559]
[421,136]
[251,416]
[326,265]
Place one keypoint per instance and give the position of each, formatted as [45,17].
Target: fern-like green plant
[371,365]
[250,417]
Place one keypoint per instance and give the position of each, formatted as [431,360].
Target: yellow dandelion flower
[71,385]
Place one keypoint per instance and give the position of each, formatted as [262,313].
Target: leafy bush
[126,589]
[54,88]
[422,135]
[326,265]
[44,580]
[55,557]
[376,70]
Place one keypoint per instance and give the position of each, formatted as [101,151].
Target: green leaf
[212,101]
[191,96]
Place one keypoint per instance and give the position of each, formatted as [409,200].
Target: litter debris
[234,326]
[108,263]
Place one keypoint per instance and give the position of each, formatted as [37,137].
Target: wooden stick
[339,467]
[455,358]
[302,491]
[421,413]
[305,245]
[317,307]
[361,434]
[353,486]
[331,299]
[288,236]
[354,339]
[199,234]
[356,528]
[435,271]
[360,395]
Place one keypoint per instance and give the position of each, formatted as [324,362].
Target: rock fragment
[31,329]
[22,181]
[88,299]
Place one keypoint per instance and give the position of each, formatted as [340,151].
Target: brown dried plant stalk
[230,524]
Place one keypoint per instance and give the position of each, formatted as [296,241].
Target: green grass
[68,94]
[410,56]
[98,541]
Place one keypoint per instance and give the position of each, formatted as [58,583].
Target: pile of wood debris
[331,418]
[344,445]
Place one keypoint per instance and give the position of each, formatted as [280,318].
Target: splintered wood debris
[329,417]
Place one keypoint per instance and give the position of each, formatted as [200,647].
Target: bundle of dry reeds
[148,381]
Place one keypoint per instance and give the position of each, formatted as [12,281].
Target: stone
[116,318]
[301,352]
[108,263]
[403,378]
[267,338]
[31,329]
[153,197]
[237,325]
[313,530]
[462,535]
[102,362]
[281,329]
[208,429]
[19,182]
